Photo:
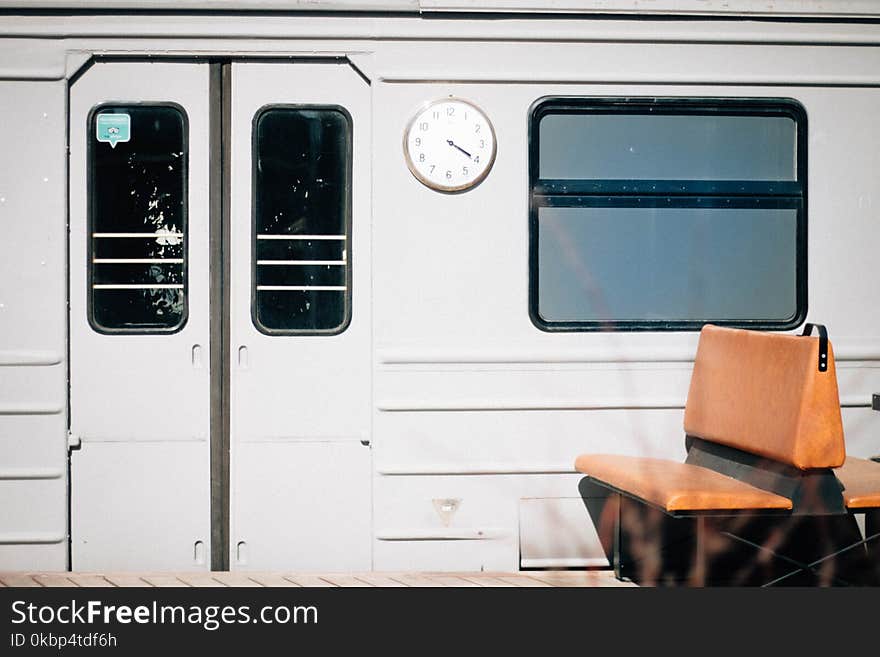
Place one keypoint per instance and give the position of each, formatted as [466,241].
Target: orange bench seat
[861,483]
[677,487]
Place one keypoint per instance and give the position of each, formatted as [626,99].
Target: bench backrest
[763,393]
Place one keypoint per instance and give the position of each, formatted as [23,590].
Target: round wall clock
[450,145]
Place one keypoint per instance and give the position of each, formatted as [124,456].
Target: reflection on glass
[661,264]
[621,146]
[302,196]
[137,218]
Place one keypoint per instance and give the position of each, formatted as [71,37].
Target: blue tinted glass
[667,147]
[666,264]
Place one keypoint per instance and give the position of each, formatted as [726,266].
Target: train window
[302,220]
[137,171]
[666,214]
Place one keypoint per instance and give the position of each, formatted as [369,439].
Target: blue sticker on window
[113,128]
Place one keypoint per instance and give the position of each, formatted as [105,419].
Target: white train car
[348,284]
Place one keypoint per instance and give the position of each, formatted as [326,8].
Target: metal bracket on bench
[823,344]
[812,492]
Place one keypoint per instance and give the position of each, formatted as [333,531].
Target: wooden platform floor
[558,578]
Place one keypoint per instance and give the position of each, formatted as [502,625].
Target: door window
[302,220]
[137,166]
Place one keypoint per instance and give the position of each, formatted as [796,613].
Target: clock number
[482,143]
[418,141]
[421,157]
[476,159]
[477,128]
[423,126]
[436,115]
[432,167]
[464,171]
[448,174]
[450,111]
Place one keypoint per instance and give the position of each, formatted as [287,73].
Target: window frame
[678,193]
[348,206]
[90,218]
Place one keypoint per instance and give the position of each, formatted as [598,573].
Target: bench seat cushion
[861,483]
[676,486]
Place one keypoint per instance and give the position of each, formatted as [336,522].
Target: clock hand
[454,145]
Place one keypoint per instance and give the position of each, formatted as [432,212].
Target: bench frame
[683,547]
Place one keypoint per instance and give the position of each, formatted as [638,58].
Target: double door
[220,316]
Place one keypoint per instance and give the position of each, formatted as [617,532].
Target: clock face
[450,145]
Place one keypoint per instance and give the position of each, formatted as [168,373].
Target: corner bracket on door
[362,63]
[76,63]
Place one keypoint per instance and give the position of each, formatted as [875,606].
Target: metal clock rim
[440,187]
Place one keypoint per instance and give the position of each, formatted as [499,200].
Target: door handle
[199,553]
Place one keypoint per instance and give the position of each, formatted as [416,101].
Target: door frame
[220,95]
[219,222]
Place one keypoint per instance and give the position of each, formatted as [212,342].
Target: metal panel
[29,58]
[519,441]
[213,5]
[37,510]
[625,63]
[258,34]
[750,8]
[134,396]
[452,555]
[861,428]
[140,505]
[558,533]
[33,367]
[473,307]
[302,505]
[448,522]
[459,389]
[289,388]
[816,8]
